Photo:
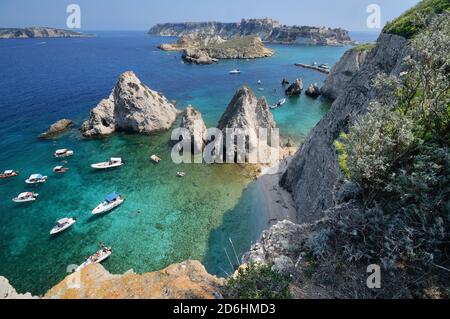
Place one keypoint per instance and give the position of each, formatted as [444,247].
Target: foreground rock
[192,120]
[314,171]
[131,107]
[247,113]
[313,91]
[295,88]
[8,292]
[188,280]
[207,49]
[57,128]
[342,72]
[38,32]
[268,30]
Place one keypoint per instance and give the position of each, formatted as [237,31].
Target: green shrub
[259,282]
[364,47]
[414,20]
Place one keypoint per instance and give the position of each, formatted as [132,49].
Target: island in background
[269,30]
[39,32]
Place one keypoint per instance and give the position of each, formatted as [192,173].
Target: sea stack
[192,120]
[313,91]
[131,107]
[247,113]
[295,88]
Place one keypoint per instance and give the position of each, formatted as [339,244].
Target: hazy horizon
[139,15]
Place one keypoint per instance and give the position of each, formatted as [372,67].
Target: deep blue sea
[44,80]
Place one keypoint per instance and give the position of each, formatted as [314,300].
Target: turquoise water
[191,218]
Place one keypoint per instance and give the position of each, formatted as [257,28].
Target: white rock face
[131,107]
[192,120]
[342,73]
[8,292]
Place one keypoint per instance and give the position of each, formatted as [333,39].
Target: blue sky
[142,14]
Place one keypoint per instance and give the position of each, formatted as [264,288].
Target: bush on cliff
[258,282]
[399,156]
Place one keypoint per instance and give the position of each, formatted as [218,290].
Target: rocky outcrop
[313,91]
[342,72]
[57,128]
[38,32]
[247,113]
[192,120]
[8,292]
[295,88]
[268,30]
[188,280]
[206,49]
[131,107]
[314,171]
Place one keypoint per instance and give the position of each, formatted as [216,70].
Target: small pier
[313,67]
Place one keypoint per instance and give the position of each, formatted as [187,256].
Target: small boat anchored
[155,158]
[111,201]
[235,71]
[60,170]
[181,174]
[96,258]
[113,162]
[280,103]
[62,225]
[36,179]
[63,153]
[8,173]
[26,197]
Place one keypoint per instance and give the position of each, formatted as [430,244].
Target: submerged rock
[131,107]
[313,91]
[284,82]
[192,120]
[57,128]
[187,280]
[295,88]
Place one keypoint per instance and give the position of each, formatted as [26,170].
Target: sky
[142,14]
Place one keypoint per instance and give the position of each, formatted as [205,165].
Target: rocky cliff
[8,292]
[192,120]
[206,49]
[268,30]
[131,107]
[314,171]
[38,32]
[188,280]
[343,71]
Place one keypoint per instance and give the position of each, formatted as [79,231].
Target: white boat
[113,162]
[8,173]
[36,179]
[279,104]
[259,82]
[155,158]
[26,197]
[62,225]
[96,258]
[181,174]
[60,169]
[63,153]
[235,71]
[111,201]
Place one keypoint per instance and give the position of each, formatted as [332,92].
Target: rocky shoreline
[39,32]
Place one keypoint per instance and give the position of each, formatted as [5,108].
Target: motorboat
[113,162]
[235,71]
[8,173]
[155,158]
[181,174]
[62,225]
[26,197]
[60,170]
[36,179]
[279,104]
[110,202]
[259,82]
[96,258]
[324,66]
[63,153]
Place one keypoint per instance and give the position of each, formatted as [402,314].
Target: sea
[213,214]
